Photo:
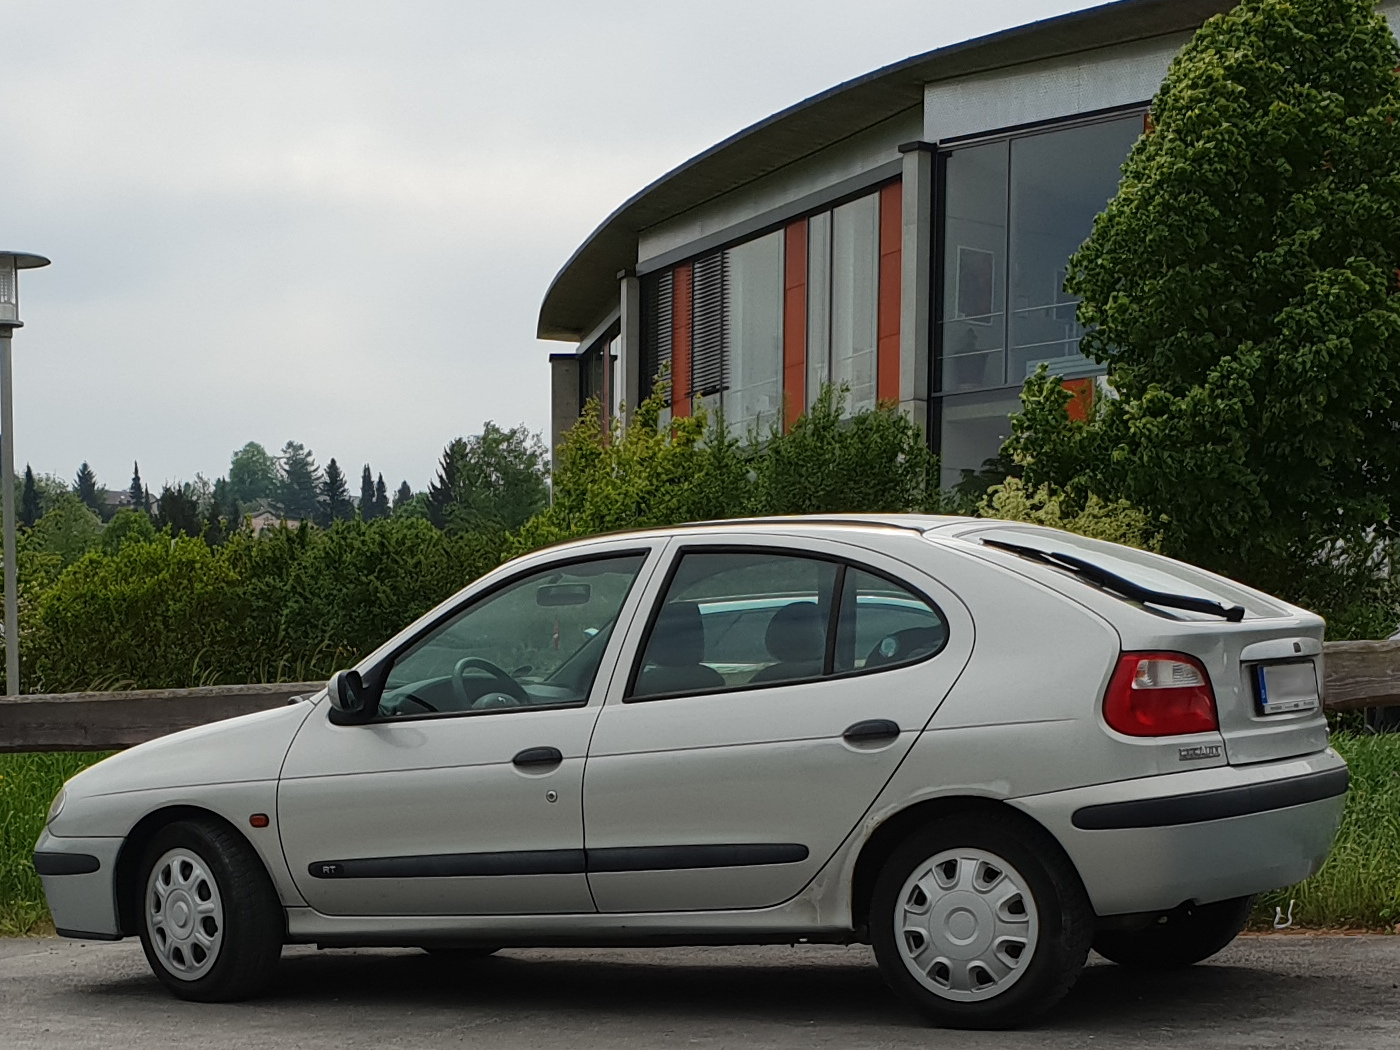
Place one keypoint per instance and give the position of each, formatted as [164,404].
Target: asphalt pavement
[1263,991]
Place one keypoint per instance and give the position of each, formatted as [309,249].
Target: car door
[464,794]
[726,768]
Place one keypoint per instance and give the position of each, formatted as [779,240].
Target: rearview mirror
[553,595]
[348,695]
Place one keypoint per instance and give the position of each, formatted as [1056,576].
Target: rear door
[726,769]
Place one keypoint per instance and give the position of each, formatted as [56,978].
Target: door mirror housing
[351,700]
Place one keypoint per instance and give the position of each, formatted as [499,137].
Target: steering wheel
[504,682]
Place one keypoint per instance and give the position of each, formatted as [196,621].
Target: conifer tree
[335,495]
[301,482]
[368,511]
[137,491]
[381,498]
[85,485]
[29,508]
[404,496]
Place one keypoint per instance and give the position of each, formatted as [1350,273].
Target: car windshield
[1148,571]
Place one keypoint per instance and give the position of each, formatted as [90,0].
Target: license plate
[1287,688]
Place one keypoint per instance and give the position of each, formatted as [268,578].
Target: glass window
[973,429]
[974,268]
[1060,180]
[536,642]
[884,624]
[755,337]
[855,270]
[737,619]
[818,304]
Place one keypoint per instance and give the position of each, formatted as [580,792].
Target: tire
[1179,938]
[980,921]
[210,921]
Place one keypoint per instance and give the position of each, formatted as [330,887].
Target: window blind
[709,364]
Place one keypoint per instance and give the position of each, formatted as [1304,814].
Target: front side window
[538,641]
[735,620]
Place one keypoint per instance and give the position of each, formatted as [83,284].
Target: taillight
[1160,694]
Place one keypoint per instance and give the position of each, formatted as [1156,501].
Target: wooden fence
[1358,675]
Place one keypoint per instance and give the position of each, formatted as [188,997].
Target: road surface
[1265,991]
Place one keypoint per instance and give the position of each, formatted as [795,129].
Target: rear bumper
[79,877]
[1207,835]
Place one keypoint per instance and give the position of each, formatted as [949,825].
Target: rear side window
[735,620]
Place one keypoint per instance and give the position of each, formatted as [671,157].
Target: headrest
[797,633]
[678,637]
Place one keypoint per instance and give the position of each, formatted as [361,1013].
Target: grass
[28,783]
[1358,887]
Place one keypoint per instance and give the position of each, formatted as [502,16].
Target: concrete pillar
[630,302]
[563,401]
[916,290]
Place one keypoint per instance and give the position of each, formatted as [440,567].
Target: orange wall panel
[1082,399]
[887,324]
[680,340]
[794,321]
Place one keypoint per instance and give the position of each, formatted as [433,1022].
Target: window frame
[829,674]
[379,672]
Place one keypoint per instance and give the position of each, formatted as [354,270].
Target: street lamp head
[10,265]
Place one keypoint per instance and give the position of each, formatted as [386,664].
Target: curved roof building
[904,234]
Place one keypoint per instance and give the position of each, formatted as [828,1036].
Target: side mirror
[349,697]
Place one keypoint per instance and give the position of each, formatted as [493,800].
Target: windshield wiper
[1111,581]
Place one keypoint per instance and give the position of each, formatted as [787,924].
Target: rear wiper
[1111,581]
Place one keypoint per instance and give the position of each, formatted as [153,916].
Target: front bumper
[80,884]
[1207,835]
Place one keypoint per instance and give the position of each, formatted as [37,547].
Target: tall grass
[1359,886]
[28,783]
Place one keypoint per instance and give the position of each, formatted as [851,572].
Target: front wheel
[1178,938]
[211,924]
[980,922]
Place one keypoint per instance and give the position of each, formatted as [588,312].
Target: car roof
[919,524]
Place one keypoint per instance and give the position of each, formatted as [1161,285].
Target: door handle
[871,730]
[538,756]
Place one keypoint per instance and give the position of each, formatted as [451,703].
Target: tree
[253,475]
[381,498]
[214,532]
[300,482]
[335,495]
[137,491]
[85,485]
[1242,289]
[495,479]
[29,510]
[367,507]
[128,525]
[403,496]
[178,511]
[68,529]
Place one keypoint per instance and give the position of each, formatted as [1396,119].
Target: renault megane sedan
[982,747]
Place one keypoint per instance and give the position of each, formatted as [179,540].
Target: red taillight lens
[1160,694]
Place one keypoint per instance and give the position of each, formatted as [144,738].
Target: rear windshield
[1149,570]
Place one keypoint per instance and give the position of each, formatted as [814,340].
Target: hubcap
[966,925]
[184,914]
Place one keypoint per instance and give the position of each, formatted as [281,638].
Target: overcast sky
[334,221]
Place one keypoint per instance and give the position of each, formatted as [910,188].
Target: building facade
[904,234]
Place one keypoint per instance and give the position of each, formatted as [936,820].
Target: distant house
[265,515]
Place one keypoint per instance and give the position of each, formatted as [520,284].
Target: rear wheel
[1178,938]
[980,922]
[211,924]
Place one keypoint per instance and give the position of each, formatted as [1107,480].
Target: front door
[776,693]
[464,795]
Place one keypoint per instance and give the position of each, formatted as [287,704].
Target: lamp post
[10,265]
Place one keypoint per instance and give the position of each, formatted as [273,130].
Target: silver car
[982,747]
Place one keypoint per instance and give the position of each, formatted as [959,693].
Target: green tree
[177,510]
[128,525]
[403,496]
[381,498]
[85,485]
[335,502]
[367,506]
[495,479]
[68,529]
[253,476]
[300,482]
[1241,287]
[137,491]
[29,509]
